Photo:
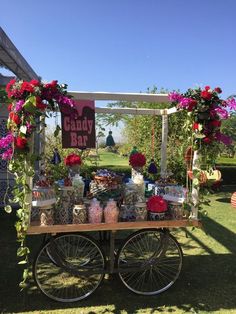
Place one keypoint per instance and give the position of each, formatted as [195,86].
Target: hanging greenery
[30,103]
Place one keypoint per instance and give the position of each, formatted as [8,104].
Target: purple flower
[7,155]
[225,139]
[222,113]
[19,105]
[6,141]
[231,103]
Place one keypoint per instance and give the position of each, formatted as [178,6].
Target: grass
[206,283]
[226,161]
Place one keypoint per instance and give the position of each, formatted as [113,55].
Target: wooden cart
[70,265]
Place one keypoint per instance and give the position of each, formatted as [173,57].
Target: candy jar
[111,212]
[79,214]
[95,212]
[78,185]
[140,184]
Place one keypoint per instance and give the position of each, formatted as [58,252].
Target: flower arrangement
[156,204]
[206,111]
[30,102]
[137,160]
[73,160]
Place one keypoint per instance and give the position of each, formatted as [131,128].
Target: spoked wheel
[69,268]
[149,261]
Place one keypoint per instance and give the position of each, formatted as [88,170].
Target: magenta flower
[7,155]
[175,97]
[231,103]
[19,105]
[185,103]
[225,139]
[222,113]
[6,141]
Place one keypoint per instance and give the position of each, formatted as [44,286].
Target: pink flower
[222,113]
[19,105]
[7,155]
[6,141]
[231,103]
[207,88]
[175,97]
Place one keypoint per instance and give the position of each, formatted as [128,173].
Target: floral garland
[30,104]
[206,111]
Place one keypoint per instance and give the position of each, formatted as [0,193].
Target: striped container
[233,200]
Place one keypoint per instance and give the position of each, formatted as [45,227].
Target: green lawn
[226,161]
[206,284]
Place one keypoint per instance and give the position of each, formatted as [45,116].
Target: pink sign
[78,126]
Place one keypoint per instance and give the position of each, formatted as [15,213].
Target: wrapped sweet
[111,212]
[95,212]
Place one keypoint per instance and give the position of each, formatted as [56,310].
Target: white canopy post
[164,143]
[195,190]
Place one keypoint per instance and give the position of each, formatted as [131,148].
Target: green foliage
[3,96]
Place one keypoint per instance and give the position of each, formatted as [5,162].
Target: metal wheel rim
[80,239]
[127,276]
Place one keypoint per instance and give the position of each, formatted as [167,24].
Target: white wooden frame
[134,97]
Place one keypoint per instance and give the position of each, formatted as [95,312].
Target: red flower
[156,204]
[218,90]
[137,160]
[207,140]
[14,117]
[215,123]
[195,126]
[20,142]
[207,88]
[34,82]
[27,87]
[192,104]
[72,160]
[206,95]
[9,85]
[9,108]
[39,104]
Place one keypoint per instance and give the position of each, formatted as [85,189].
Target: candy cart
[71,264]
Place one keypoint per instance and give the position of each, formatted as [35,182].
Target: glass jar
[111,212]
[140,211]
[95,212]
[79,214]
[78,185]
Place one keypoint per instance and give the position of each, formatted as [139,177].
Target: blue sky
[127,45]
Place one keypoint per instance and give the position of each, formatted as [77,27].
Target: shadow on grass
[206,283]
[223,200]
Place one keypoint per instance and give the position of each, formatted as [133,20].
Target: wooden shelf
[36,229]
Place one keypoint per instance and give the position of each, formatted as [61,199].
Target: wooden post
[164,143]
[195,190]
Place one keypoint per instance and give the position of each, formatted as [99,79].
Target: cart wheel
[69,268]
[149,261]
